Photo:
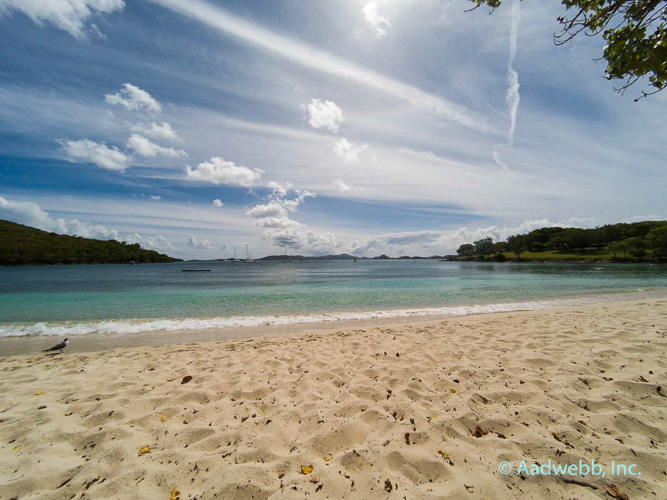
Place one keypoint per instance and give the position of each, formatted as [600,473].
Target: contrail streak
[320,60]
[512,99]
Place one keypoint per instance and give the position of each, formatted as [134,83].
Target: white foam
[129,326]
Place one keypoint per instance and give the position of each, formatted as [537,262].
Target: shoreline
[93,342]
[424,409]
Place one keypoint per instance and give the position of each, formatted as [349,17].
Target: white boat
[248,256]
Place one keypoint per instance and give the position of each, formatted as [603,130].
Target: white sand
[257,410]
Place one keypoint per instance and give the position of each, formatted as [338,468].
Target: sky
[404,127]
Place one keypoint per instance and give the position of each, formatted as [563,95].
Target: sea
[104,299]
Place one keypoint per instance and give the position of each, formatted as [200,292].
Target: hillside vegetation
[623,242]
[23,245]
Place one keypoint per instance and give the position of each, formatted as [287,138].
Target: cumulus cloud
[324,114]
[68,15]
[379,24]
[300,237]
[275,213]
[194,242]
[145,147]
[272,209]
[217,203]
[156,131]
[158,243]
[133,98]
[347,151]
[220,171]
[85,150]
[154,197]
[342,186]
[31,214]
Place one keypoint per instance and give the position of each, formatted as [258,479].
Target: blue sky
[352,126]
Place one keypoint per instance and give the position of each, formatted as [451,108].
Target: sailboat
[286,259]
[234,259]
[248,257]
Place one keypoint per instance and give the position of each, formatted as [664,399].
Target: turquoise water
[90,299]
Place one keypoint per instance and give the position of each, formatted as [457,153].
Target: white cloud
[378,23]
[31,214]
[145,147]
[275,213]
[272,209]
[68,15]
[300,237]
[347,151]
[341,186]
[324,114]
[512,99]
[323,61]
[194,242]
[155,131]
[158,243]
[154,197]
[217,203]
[133,98]
[279,189]
[220,171]
[98,153]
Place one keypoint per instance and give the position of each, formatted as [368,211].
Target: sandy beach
[418,410]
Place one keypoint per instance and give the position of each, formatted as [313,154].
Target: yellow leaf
[329,458]
[432,418]
[307,469]
[453,391]
[174,494]
[144,450]
[163,419]
[444,454]
[17,448]
[39,393]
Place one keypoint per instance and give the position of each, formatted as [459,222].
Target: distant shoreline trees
[631,242]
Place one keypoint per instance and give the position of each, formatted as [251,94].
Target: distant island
[23,246]
[623,242]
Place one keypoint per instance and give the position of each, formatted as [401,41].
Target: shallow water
[121,298]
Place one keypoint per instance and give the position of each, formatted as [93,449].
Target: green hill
[23,245]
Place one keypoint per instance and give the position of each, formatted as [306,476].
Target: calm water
[123,298]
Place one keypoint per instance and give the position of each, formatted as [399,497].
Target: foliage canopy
[635,32]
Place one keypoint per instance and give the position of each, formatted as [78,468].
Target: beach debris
[307,469]
[171,379]
[16,448]
[186,379]
[443,454]
[479,432]
[39,393]
[319,487]
[433,417]
[613,491]
[314,480]
[561,439]
[388,486]
[453,391]
[41,407]
[144,450]
[175,494]
[329,458]
[163,419]
[407,438]
[64,483]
